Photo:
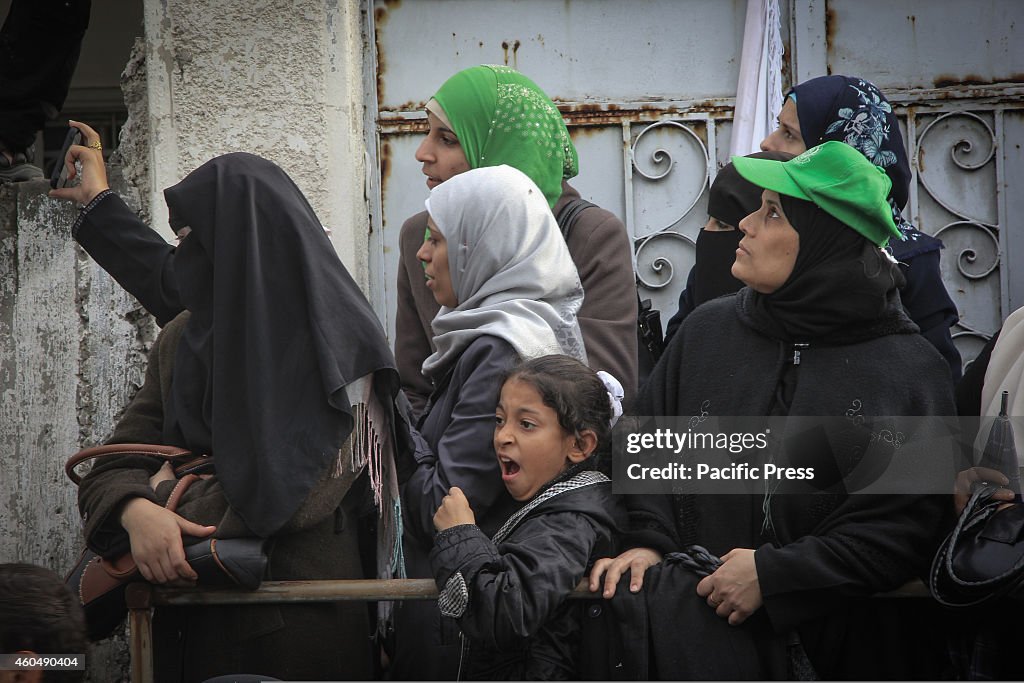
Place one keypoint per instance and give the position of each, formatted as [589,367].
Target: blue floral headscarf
[854,111]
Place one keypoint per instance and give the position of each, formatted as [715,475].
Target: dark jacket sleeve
[601,250]
[684,307]
[464,453]
[928,304]
[651,517]
[512,593]
[134,255]
[874,543]
[102,494]
[414,309]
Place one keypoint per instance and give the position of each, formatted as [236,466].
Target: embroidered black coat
[822,551]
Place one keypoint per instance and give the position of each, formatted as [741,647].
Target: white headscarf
[510,268]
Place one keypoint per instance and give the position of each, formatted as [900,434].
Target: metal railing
[143,597]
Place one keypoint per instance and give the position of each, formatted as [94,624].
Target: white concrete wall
[279,79]
[72,353]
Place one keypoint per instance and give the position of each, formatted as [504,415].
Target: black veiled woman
[280,371]
[731,198]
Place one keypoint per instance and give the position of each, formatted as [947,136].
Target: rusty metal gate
[647,88]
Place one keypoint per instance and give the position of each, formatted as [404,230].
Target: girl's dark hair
[573,391]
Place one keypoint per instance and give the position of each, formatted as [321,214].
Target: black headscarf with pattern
[854,111]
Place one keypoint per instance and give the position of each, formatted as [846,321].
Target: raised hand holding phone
[93,174]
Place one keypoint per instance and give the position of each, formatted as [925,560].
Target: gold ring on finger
[95,144]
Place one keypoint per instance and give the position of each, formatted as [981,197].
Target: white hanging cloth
[759,90]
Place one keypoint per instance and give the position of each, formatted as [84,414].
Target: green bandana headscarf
[501,117]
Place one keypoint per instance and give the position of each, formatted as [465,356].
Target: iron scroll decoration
[663,157]
[968,256]
[960,148]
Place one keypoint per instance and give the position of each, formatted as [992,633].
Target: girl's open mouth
[509,468]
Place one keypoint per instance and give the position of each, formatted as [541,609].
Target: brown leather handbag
[100,582]
[182,459]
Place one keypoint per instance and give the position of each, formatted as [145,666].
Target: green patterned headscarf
[501,117]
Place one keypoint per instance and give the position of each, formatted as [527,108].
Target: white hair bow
[615,394]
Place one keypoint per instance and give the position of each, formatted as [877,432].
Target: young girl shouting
[509,592]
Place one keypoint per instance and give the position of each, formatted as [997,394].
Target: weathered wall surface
[72,353]
[282,80]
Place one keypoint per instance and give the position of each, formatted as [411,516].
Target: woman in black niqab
[731,198]
[278,328]
[279,370]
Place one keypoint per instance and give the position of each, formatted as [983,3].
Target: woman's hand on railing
[636,560]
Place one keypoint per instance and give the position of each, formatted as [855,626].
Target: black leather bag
[100,583]
[983,557]
[228,562]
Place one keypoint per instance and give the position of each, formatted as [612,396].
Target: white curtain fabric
[1005,373]
[759,91]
